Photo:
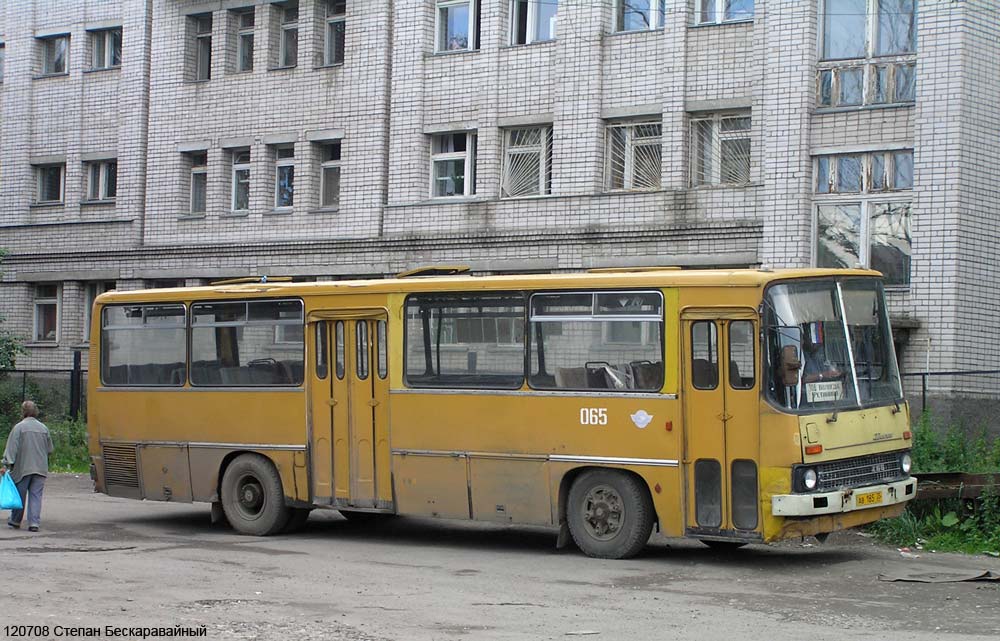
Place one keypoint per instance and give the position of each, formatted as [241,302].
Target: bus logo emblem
[641,419]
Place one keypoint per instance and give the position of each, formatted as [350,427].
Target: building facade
[163,142]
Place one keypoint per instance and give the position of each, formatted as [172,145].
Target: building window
[94,290]
[245,20]
[202,46]
[634,156]
[102,180]
[3,56]
[860,220]
[288,55]
[527,168]
[457,25]
[532,21]
[106,48]
[720,146]
[638,15]
[51,180]
[241,180]
[868,52]
[453,164]
[55,55]
[284,177]
[336,23]
[329,177]
[719,11]
[46,315]
[198,201]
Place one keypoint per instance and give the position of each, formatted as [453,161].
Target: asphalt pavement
[125,568]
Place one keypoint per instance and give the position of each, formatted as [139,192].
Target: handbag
[10,498]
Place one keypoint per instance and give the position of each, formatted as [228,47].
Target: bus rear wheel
[610,514]
[252,497]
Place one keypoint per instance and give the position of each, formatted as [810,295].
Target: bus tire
[610,514]
[252,497]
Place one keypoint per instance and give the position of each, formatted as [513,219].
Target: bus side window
[383,350]
[340,349]
[704,355]
[741,355]
[361,355]
[322,349]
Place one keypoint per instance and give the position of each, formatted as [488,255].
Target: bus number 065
[593,416]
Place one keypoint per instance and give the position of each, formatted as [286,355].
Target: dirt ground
[100,561]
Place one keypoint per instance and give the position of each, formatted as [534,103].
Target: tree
[10,344]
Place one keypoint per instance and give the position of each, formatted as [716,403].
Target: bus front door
[350,421]
[721,425]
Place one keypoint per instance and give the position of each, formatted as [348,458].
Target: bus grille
[120,467]
[857,472]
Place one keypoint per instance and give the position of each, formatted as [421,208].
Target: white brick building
[168,141]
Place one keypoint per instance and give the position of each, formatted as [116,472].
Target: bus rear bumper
[847,500]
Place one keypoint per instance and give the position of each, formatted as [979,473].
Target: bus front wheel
[610,514]
[252,497]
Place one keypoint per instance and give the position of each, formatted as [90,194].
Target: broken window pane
[890,242]
[851,86]
[906,83]
[838,235]
[844,29]
[902,176]
[896,31]
[848,174]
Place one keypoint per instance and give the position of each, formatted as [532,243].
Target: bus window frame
[595,316]
[246,301]
[104,352]
[524,295]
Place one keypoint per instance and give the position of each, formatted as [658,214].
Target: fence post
[24,386]
[923,393]
[75,379]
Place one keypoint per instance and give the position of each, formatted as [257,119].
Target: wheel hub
[603,512]
[251,496]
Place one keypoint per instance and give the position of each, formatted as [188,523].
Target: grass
[950,525]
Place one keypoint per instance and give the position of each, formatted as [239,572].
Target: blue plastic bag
[10,499]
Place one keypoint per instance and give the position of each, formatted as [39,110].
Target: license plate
[868,498]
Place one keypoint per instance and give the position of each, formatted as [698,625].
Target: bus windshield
[829,346]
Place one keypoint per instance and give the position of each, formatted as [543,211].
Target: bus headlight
[905,462]
[809,479]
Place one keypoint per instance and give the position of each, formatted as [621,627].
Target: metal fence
[59,393]
[988,383]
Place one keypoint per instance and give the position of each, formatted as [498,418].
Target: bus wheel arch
[251,494]
[609,512]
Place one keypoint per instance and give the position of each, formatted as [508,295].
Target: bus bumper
[847,500]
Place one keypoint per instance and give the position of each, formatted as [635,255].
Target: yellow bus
[732,406]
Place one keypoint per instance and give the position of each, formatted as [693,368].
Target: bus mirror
[790,364]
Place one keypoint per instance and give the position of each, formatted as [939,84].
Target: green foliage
[70,441]
[953,525]
[10,345]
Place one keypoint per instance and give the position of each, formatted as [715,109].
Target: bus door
[350,444]
[721,423]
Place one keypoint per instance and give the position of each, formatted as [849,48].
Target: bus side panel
[510,490]
[165,473]
[435,486]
